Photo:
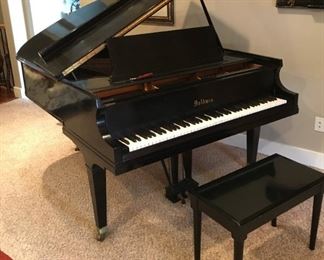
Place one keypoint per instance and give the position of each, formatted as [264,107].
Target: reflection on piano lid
[73,40]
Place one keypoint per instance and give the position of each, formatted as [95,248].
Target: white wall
[296,36]
[45,13]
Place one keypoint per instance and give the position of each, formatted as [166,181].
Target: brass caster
[102,233]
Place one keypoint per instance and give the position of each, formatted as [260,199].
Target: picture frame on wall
[318,4]
[165,16]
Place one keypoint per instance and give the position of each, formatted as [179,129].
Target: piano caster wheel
[102,233]
[77,149]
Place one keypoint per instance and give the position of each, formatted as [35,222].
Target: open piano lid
[73,40]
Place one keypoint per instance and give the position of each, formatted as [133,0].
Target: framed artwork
[301,3]
[163,17]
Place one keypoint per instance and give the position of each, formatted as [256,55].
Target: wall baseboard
[304,156]
[18,92]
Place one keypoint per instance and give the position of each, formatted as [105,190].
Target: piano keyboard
[171,130]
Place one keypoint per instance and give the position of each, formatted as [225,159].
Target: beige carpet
[45,209]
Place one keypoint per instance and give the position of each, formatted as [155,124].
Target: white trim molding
[266,147]
[19,92]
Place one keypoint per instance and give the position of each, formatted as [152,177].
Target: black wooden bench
[252,196]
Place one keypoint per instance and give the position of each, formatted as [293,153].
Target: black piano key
[254,103]
[269,98]
[219,113]
[223,111]
[139,134]
[163,131]
[149,133]
[132,138]
[232,108]
[214,114]
[158,130]
[241,106]
[193,120]
[245,105]
[175,126]
[143,135]
[172,126]
[203,117]
[211,115]
[167,127]
[181,123]
[262,100]
[186,123]
[146,134]
[238,107]
[125,141]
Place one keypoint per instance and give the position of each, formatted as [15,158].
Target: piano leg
[170,191]
[252,142]
[175,169]
[187,163]
[97,182]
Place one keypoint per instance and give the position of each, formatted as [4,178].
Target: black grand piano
[131,100]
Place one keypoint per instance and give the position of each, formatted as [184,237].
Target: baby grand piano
[127,101]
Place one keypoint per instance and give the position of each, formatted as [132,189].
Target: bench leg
[317,204]
[197,233]
[238,248]
[274,222]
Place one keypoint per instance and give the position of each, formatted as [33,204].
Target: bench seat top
[253,190]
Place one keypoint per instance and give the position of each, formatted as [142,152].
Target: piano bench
[254,195]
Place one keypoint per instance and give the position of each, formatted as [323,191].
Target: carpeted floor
[46,213]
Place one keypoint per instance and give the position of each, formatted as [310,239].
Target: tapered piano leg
[187,163]
[252,142]
[174,169]
[171,191]
[97,182]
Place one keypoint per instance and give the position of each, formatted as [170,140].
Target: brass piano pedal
[183,197]
[177,192]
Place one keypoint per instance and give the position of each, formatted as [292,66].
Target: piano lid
[73,40]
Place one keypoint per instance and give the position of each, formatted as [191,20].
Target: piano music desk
[250,197]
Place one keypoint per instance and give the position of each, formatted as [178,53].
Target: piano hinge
[84,59]
[143,18]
